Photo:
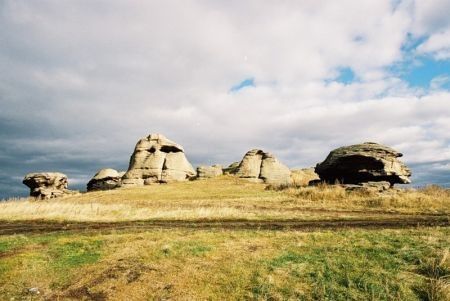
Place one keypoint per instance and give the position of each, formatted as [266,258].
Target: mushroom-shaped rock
[105,179]
[46,185]
[156,159]
[204,172]
[366,162]
[260,166]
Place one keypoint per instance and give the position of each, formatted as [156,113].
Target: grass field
[228,265]
[227,197]
[220,263]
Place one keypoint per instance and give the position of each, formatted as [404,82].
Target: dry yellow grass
[225,265]
[227,198]
[219,264]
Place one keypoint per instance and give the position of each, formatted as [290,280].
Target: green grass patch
[183,248]
[10,243]
[347,266]
[406,264]
[75,253]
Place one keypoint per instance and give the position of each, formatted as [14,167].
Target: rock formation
[105,179]
[231,169]
[204,172]
[302,177]
[156,159]
[46,185]
[368,186]
[361,163]
[259,166]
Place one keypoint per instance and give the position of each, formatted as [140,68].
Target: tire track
[42,226]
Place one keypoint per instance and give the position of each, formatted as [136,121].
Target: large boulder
[303,176]
[156,159]
[105,179]
[46,185]
[231,169]
[205,172]
[260,166]
[366,162]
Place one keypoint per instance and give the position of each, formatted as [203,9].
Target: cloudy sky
[81,81]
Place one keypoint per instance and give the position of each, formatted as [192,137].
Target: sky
[82,81]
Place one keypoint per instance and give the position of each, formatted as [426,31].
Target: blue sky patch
[346,76]
[422,71]
[249,82]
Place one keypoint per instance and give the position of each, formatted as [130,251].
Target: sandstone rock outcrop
[231,169]
[105,179]
[156,159]
[364,162]
[46,185]
[204,172]
[259,166]
[368,186]
[302,177]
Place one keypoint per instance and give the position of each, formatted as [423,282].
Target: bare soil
[385,221]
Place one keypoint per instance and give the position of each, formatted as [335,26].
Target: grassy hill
[227,239]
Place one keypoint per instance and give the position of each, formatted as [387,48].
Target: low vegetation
[185,263]
[227,265]
[228,198]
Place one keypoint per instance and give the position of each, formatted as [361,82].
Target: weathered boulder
[204,172]
[105,179]
[364,162]
[156,159]
[259,166]
[46,185]
[302,177]
[231,169]
[368,186]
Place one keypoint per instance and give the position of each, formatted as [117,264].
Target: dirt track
[39,226]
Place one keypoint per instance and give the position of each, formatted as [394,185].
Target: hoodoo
[157,159]
[362,163]
[260,166]
[46,185]
[105,179]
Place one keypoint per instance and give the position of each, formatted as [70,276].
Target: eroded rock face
[362,163]
[105,179]
[46,185]
[231,169]
[259,166]
[368,186]
[156,159]
[204,172]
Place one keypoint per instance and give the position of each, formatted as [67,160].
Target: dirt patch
[83,293]
[126,271]
[403,221]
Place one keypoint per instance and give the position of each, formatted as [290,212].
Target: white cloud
[438,82]
[438,45]
[430,15]
[85,80]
